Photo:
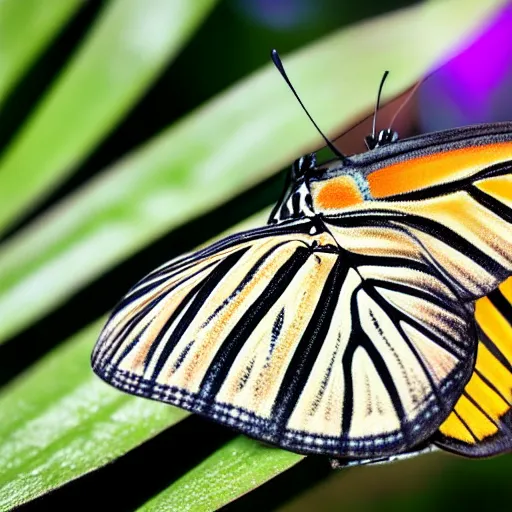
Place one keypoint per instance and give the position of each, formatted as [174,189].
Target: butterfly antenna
[407,100]
[279,65]
[377,104]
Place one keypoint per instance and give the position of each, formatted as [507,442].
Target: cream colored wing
[281,334]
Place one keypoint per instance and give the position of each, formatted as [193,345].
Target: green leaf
[237,468]
[217,151]
[124,52]
[26,28]
[59,421]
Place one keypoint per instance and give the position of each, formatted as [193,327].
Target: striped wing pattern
[458,219]
[280,333]
[481,421]
[462,227]
[348,328]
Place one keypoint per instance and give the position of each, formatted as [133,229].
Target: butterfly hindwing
[281,334]
[481,422]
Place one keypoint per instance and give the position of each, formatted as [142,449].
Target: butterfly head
[383,138]
[295,202]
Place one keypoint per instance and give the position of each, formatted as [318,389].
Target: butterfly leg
[347,463]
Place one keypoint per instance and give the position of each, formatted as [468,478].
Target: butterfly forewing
[447,202]
[279,333]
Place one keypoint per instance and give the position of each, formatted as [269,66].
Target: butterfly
[369,320]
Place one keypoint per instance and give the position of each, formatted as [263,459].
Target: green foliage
[235,469]
[25,29]
[114,65]
[217,151]
[59,421]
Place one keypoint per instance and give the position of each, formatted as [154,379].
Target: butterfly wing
[274,332]
[443,199]
[481,422]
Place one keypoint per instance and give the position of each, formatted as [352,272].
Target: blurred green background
[134,130]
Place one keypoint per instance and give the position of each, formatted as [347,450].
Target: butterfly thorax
[296,201]
[310,189]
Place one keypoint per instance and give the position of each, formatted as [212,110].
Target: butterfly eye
[302,165]
[386,137]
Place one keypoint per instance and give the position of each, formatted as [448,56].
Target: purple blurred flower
[475,86]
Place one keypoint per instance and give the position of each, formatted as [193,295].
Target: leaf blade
[59,421]
[125,50]
[26,28]
[238,467]
[195,165]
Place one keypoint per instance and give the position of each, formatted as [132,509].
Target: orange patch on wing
[426,171]
[338,193]
[490,401]
[486,397]
[494,371]
[476,420]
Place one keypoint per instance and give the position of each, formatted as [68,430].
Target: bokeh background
[62,161]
